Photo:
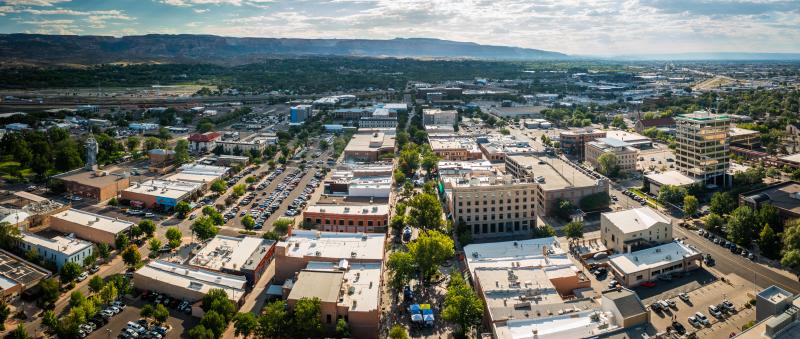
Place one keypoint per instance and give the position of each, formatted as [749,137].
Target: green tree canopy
[148,227]
[204,229]
[740,225]
[461,305]
[69,272]
[181,151]
[402,266]
[307,316]
[574,230]
[608,165]
[431,249]
[690,205]
[131,256]
[426,211]
[722,203]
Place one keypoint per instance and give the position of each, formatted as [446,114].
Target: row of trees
[278,321]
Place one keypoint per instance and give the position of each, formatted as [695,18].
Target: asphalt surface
[730,263]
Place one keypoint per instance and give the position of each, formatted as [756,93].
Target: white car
[701,318]
[715,311]
[83,276]
[694,322]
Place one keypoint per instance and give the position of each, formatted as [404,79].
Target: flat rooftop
[96,221]
[673,178]
[20,271]
[652,257]
[349,209]
[371,140]
[231,253]
[774,294]
[192,177]
[324,285]
[203,169]
[68,246]
[90,178]
[447,167]
[636,219]
[523,253]
[628,137]
[364,279]
[791,158]
[455,143]
[557,173]
[701,116]
[164,188]
[367,246]
[571,325]
[200,280]
[737,132]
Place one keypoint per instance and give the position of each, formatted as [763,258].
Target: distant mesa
[187,48]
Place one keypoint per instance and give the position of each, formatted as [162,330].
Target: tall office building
[702,151]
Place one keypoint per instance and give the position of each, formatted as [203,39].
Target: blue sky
[590,27]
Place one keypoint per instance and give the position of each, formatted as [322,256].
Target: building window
[350,223]
[476,229]
[639,277]
[369,222]
[328,318]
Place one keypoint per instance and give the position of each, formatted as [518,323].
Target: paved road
[729,263]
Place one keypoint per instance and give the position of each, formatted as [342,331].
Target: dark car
[408,294]
[678,327]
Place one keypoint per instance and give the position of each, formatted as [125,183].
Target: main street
[730,263]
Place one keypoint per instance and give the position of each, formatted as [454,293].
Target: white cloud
[200,10]
[61,26]
[44,3]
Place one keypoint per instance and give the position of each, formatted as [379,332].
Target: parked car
[94,268]
[701,318]
[648,284]
[678,327]
[715,311]
[83,276]
[694,322]
[684,297]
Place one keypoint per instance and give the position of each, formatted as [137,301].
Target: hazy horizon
[585,28]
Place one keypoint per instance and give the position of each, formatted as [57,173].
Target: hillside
[184,48]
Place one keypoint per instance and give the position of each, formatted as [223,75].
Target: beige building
[369,145]
[455,148]
[89,226]
[97,185]
[623,230]
[490,203]
[625,154]
[702,151]
[293,254]
[744,137]
[436,116]
[555,179]
[186,282]
[349,292]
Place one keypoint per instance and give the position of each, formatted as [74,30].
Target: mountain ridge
[190,48]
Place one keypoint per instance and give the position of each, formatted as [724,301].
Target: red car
[648,284]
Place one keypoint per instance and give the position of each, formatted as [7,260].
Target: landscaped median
[650,201]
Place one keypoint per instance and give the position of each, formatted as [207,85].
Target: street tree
[402,266]
[154,244]
[690,206]
[722,203]
[121,241]
[769,243]
[307,317]
[608,165]
[131,256]
[181,151]
[239,190]
[19,333]
[69,272]
[182,209]
[461,305]
[574,230]
[174,237]
[740,225]
[248,222]
[160,313]
[342,328]
[714,223]
[431,249]
[214,322]
[398,332]
[204,228]
[426,212]
[148,227]
[219,186]
[96,283]
[4,312]
[274,321]
[245,324]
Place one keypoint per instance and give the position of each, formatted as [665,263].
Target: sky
[579,27]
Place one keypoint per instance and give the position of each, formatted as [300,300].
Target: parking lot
[659,158]
[176,325]
[727,320]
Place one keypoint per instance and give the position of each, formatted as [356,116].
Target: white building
[622,230]
[186,282]
[632,269]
